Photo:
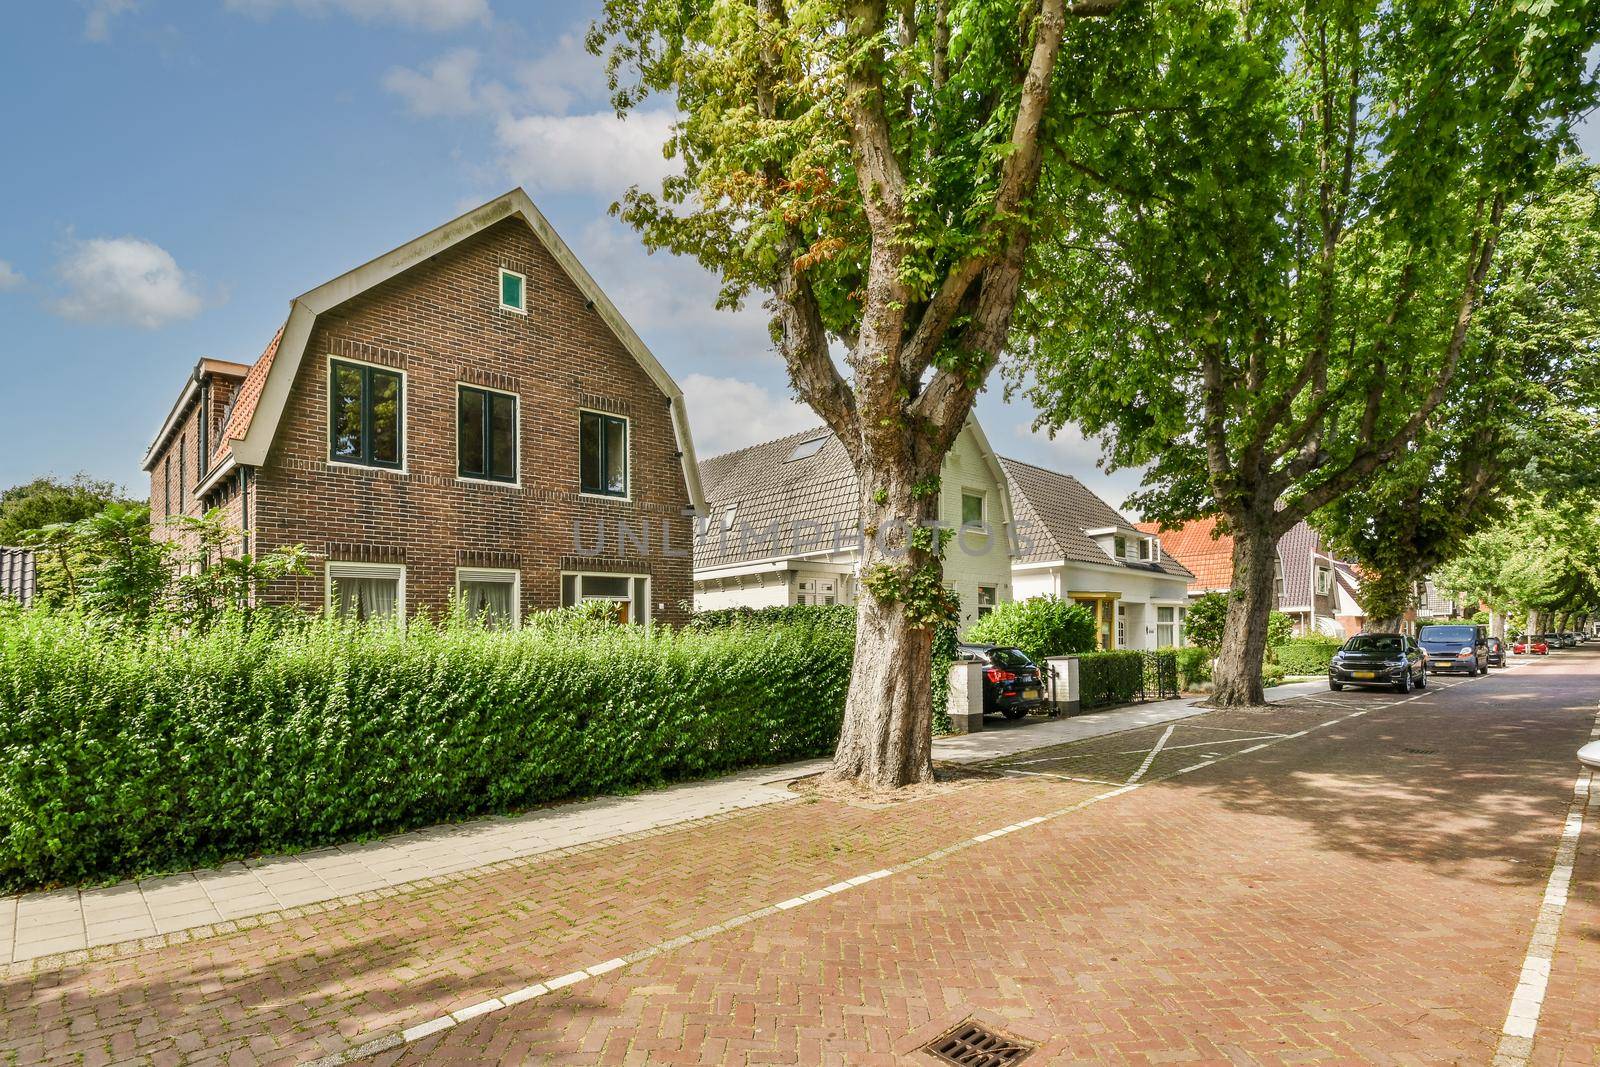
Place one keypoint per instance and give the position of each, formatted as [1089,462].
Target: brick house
[467,415]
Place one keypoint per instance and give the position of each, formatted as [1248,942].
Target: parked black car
[1392,661]
[1497,652]
[1013,684]
[1456,648]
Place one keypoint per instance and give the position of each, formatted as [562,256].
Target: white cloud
[730,413]
[596,153]
[97,25]
[417,14]
[10,277]
[125,280]
[444,88]
[563,74]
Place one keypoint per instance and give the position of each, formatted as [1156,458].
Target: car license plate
[1032,694]
[1363,674]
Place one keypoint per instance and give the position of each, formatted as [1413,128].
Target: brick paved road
[1364,892]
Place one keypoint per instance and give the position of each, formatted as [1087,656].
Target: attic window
[513,291]
[728,514]
[807,449]
[1144,548]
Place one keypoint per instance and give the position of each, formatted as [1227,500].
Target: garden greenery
[136,749]
[1040,627]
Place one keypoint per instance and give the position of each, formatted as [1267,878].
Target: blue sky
[181,169]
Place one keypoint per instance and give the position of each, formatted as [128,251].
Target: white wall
[749,591]
[1142,592]
[971,560]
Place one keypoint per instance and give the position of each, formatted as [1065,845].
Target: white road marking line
[1151,758]
[1522,1018]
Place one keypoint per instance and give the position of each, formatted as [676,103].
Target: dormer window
[1122,547]
[513,292]
[1145,551]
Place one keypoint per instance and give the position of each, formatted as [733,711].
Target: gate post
[965,704]
[1067,699]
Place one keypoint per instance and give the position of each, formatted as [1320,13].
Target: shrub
[1204,621]
[1160,674]
[1307,655]
[1194,666]
[1110,678]
[1042,626]
[130,750]
[1272,674]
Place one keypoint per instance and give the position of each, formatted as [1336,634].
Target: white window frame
[1324,580]
[816,581]
[981,609]
[581,575]
[346,569]
[1170,625]
[496,574]
[1121,626]
[516,431]
[500,291]
[627,470]
[983,504]
[327,416]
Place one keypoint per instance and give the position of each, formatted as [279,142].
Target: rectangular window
[491,595]
[816,591]
[630,593]
[986,600]
[971,509]
[1122,627]
[1324,580]
[513,291]
[166,493]
[183,476]
[1166,627]
[366,407]
[1122,547]
[603,446]
[1144,548]
[486,434]
[366,592]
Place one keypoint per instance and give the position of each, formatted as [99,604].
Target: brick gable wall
[181,455]
[441,324]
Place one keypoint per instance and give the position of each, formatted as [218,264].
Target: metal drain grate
[973,1045]
[1421,751]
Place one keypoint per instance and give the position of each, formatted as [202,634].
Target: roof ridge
[768,444]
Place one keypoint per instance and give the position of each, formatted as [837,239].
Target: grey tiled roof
[765,487]
[16,574]
[1053,510]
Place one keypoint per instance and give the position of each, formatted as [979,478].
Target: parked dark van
[1462,648]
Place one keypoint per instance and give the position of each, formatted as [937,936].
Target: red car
[1534,645]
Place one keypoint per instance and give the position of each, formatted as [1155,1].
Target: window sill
[367,467]
[606,496]
[488,483]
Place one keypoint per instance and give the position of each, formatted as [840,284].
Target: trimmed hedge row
[1306,655]
[133,751]
[1110,678]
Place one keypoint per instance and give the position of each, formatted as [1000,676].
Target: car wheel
[1405,682]
[1336,687]
[1422,680]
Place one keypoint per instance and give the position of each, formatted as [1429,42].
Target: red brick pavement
[1364,893]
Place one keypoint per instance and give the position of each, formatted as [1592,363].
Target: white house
[1073,545]
[783,525]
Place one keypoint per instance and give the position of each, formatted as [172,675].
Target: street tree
[1528,384]
[871,170]
[1271,324]
[47,500]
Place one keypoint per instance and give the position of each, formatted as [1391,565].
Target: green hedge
[1110,678]
[1307,655]
[1194,666]
[1040,627]
[138,751]
[841,617]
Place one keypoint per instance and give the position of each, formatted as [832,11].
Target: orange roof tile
[244,403]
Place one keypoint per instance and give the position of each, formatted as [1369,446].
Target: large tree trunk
[887,737]
[1237,677]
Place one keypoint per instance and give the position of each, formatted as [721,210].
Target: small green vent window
[513,294]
